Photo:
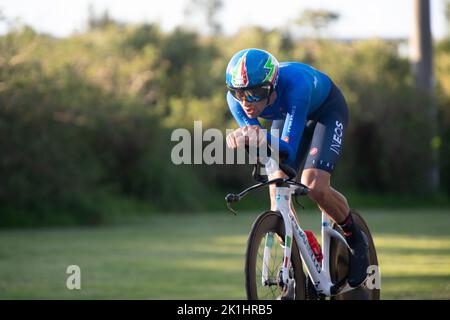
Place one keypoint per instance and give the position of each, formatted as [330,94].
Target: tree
[316,21]
[209,11]
[422,65]
[99,21]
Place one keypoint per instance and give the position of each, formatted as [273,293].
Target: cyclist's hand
[256,136]
[246,135]
[236,139]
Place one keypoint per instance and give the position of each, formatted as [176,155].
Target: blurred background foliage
[86,121]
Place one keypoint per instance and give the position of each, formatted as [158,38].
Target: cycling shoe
[359,260]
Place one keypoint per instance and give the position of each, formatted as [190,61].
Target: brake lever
[232,198]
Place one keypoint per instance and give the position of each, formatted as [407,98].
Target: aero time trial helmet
[252,75]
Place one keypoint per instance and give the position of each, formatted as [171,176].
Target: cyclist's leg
[327,198]
[323,155]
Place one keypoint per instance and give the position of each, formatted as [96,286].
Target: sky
[358,18]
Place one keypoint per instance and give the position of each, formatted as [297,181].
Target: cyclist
[290,94]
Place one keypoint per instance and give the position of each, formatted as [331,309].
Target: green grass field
[202,257]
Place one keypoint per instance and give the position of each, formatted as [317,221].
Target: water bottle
[315,246]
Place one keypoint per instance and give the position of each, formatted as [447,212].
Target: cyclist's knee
[318,194]
[318,182]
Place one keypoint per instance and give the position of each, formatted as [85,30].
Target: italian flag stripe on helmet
[239,76]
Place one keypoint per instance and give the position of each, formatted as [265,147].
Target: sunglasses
[251,95]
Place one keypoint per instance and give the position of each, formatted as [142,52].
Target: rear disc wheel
[339,259]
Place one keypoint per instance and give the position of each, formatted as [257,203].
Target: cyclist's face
[254,109]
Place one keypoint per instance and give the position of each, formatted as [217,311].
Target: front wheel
[339,259]
[269,229]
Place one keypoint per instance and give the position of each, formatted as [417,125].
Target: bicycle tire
[339,257]
[270,221]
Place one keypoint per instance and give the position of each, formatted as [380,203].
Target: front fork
[283,199]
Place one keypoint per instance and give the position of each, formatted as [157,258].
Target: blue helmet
[250,68]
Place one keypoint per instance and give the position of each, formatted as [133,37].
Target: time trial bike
[278,248]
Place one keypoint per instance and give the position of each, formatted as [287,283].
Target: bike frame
[319,274]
